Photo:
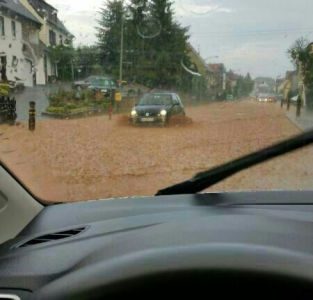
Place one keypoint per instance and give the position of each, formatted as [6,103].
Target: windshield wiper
[208,178]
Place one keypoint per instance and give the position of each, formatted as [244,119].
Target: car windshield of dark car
[156,100]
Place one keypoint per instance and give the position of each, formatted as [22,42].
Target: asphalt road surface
[94,158]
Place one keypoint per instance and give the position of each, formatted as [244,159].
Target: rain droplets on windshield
[109,98]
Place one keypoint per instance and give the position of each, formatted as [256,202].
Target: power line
[255,32]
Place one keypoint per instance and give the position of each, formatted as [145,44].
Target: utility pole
[122,46]
[72,69]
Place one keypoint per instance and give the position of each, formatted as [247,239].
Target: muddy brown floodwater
[94,158]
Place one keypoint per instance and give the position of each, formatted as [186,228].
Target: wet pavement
[37,94]
[304,121]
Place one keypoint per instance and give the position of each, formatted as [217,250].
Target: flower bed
[64,104]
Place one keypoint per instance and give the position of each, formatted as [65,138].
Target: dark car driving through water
[157,108]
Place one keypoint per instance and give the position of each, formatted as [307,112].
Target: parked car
[157,108]
[102,84]
[83,84]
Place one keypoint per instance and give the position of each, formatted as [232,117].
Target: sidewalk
[37,94]
[304,122]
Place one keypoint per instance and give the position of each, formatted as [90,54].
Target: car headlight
[163,112]
[265,99]
[133,113]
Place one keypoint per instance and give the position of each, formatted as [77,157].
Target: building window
[61,39]
[52,37]
[13,27]
[2,31]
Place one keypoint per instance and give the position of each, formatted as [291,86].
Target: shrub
[53,109]
[70,105]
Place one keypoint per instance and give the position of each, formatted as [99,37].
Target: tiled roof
[62,27]
[18,8]
[216,67]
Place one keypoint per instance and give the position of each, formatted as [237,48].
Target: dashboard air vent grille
[52,237]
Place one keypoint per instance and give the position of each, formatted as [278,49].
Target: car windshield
[105,99]
[156,99]
[90,78]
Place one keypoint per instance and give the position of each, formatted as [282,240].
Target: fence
[7,110]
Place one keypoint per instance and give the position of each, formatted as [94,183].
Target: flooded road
[94,158]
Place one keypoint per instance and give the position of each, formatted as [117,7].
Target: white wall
[12,46]
[40,73]
[51,68]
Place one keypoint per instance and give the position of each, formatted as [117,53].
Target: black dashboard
[90,250]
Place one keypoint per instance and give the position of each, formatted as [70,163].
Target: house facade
[214,74]
[217,79]
[20,46]
[27,30]
[52,33]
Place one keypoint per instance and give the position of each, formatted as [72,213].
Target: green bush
[70,105]
[53,109]
[72,101]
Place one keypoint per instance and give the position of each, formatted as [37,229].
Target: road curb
[294,122]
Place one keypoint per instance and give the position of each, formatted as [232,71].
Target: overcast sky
[246,35]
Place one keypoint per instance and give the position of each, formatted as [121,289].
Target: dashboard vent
[52,237]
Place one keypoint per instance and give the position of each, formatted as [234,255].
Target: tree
[297,51]
[62,57]
[300,54]
[109,34]
[169,46]
[87,61]
[154,44]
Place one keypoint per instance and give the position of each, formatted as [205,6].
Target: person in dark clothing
[299,104]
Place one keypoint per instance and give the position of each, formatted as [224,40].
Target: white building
[20,47]
[52,33]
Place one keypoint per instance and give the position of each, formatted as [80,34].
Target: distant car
[83,84]
[102,84]
[157,108]
[267,98]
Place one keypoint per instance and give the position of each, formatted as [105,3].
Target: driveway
[37,94]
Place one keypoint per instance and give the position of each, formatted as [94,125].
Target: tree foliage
[301,54]
[62,57]
[154,43]
[86,61]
